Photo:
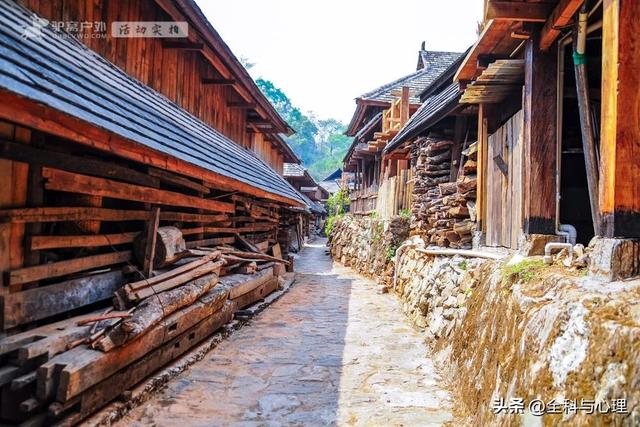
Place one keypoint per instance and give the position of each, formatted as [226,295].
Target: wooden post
[482,167]
[150,249]
[540,129]
[404,106]
[620,130]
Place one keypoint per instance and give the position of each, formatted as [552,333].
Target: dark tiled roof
[336,174]
[435,63]
[368,127]
[434,109]
[58,71]
[313,206]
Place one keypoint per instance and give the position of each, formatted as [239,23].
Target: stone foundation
[367,244]
[517,328]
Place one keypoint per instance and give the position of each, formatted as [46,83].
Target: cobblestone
[331,351]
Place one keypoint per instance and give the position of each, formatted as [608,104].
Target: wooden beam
[540,127]
[517,11]
[42,302]
[65,181]
[62,268]
[28,154]
[80,368]
[80,241]
[178,180]
[245,105]
[619,152]
[182,45]
[150,242]
[560,17]
[218,82]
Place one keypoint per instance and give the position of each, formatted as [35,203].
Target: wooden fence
[395,195]
[363,201]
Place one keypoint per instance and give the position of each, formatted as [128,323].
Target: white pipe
[461,252]
[570,231]
[555,245]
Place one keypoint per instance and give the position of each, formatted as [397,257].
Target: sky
[325,53]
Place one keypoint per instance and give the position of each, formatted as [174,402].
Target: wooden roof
[500,79]
[55,71]
[503,29]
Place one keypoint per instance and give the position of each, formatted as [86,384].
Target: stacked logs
[68,369]
[443,211]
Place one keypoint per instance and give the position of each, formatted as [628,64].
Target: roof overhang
[31,114]
[216,51]
[507,23]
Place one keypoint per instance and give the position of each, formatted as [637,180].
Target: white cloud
[325,53]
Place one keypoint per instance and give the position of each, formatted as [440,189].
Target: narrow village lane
[330,351]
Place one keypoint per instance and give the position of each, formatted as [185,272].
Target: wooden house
[313,194]
[379,116]
[438,141]
[105,141]
[556,85]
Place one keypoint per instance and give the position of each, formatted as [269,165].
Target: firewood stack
[443,211]
[68,369]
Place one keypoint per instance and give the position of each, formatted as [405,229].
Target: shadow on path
[330,351]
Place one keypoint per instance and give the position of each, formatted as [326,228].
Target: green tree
[320,144]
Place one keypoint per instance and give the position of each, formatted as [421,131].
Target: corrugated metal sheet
[56,70]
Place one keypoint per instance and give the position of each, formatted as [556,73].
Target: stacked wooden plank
[444,211]
[73,367]
[93,225]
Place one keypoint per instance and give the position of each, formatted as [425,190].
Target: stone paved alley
[330,351]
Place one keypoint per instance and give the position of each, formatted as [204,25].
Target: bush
[329,225]
[524,270]
[337,206]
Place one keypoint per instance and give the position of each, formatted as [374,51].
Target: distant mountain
[321,144]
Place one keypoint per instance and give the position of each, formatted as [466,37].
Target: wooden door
[504,184]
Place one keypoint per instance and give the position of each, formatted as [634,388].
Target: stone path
[330,351]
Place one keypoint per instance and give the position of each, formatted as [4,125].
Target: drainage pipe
[570,233]
[461,252]
[586,125]
[398,257]
[548,259]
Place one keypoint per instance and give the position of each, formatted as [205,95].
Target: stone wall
[514,328]
[368,244]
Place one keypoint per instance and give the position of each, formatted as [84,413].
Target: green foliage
[378,228]
[338,203]
[524,270]
[463,264]
[328,227]
[320,144]
[405,213]
[391,252]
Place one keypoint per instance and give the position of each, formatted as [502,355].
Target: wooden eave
[218,54]
[495,40]
[28,113]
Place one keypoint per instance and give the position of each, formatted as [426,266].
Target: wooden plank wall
[13,193]
[395,195]
[504,184]
[176,73]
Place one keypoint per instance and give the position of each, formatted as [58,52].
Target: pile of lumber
[66,370]
[444,211]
